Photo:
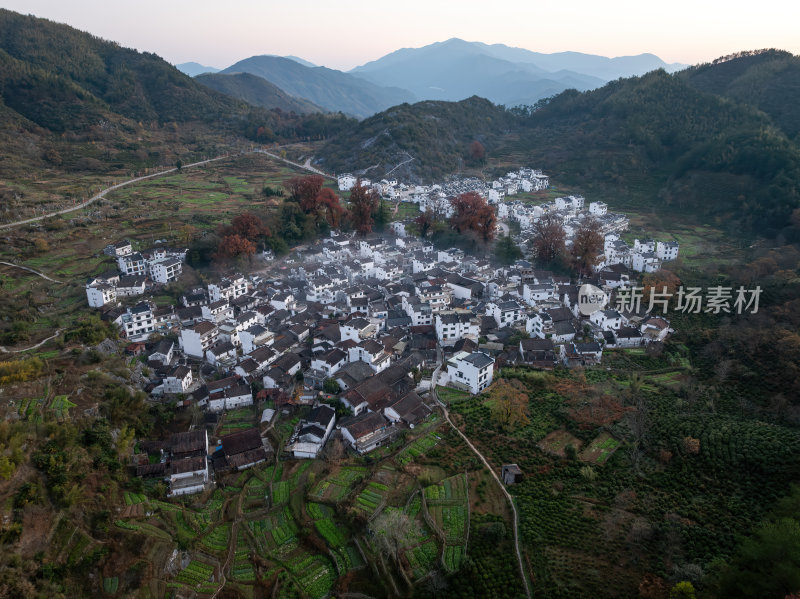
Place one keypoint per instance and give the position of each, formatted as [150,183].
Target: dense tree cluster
[472,214]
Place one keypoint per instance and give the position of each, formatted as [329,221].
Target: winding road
[36,272]
[42,342]
[306,165]
[100,195]
[103,193]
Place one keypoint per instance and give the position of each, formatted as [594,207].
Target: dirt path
[305,166]
[36,272]
[103,193]
[494,475]
[399,165]
[42,342]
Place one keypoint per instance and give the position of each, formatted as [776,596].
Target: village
[362,330]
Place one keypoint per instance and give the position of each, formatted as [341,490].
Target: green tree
[331,386]
[508,403]
[682,590]
[767,564]
[506,251]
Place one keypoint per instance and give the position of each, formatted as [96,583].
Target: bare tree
[390,530]
[638,420]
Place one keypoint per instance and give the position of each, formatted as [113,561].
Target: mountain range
[72,102]
[331,89]
[195,68]
[450,70]
[456,69]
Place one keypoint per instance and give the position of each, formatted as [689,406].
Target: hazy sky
[345,33]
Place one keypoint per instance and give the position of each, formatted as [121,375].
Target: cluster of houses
[571,212]
[436,197]
[187,461]
[369,323]
[138,271]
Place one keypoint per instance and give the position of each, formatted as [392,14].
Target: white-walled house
[131,286]
[101,294]
[132,264]
[452,326]
[178,380]
[474,371]
[667,250]
[138,322]
[166,270]
[198,339]
[505,314]
[608,320]
[346,182]
[647,262]
[535,293]
[313,432]
[163,352]
[223,353]
[598,208]
[330,362]
[367,431]
[188,465]
[227,289]
[283,301]
[371,352]
[356,330]
[217,311]
[231,398]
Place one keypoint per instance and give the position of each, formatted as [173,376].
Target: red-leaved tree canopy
[473,213]
[363,203]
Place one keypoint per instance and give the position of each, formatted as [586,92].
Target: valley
[279,330]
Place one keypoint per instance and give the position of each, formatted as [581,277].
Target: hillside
[650,141]
[43,60]
[656,140]
[768,80]
[256,91]
[418,142]
[332,90]
[73,103]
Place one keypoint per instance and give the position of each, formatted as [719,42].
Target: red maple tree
[473,213]
[233,246]
[363,203]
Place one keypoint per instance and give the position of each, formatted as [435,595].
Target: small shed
[511,474]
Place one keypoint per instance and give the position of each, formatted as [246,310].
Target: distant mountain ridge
[194,68]
[332,90]
[257,91]
[456,69]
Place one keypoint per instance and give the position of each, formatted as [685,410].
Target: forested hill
[420,142]
[768,80]
[256,91]
[658,141]
[45,64]
[70,101]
